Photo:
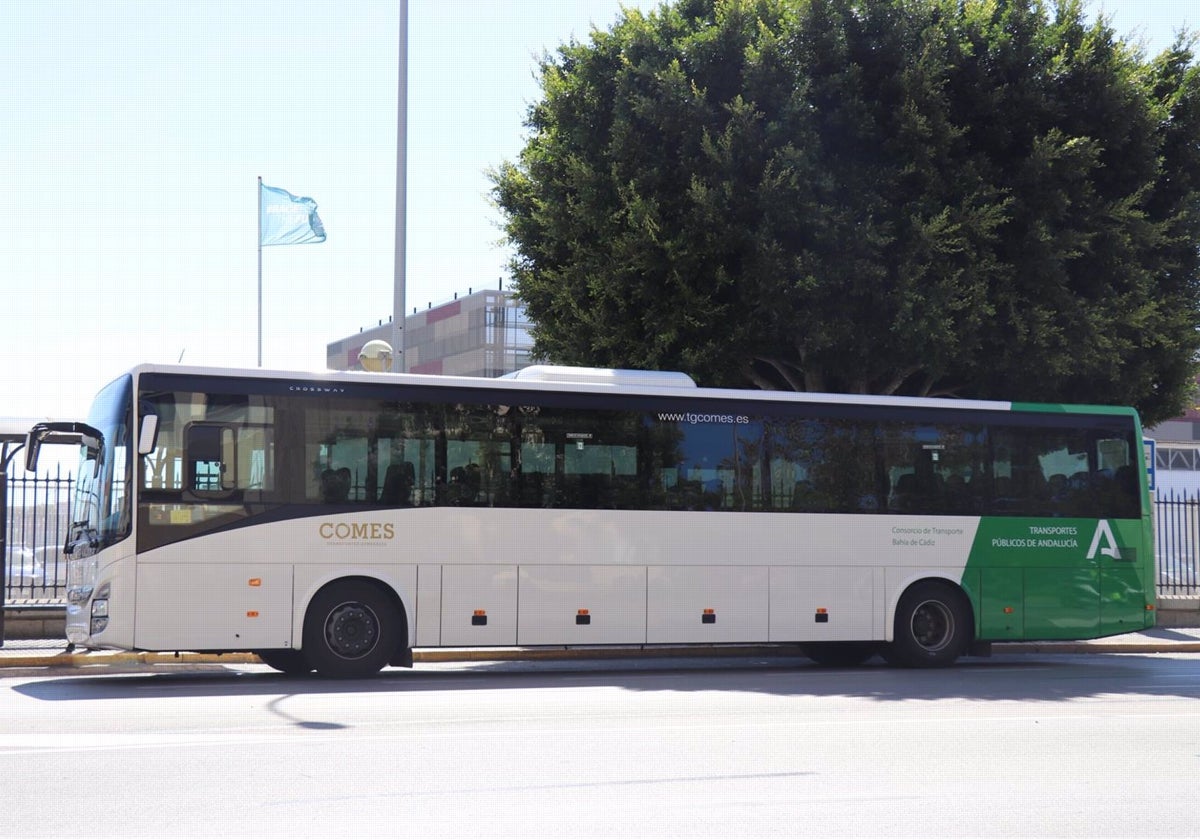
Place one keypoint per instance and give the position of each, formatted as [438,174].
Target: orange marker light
[255,582]
[582,612]
[1008,610]
[480,612]
[251,613]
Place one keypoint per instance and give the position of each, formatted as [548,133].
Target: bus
[333,522]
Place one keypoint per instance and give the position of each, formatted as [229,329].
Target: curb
[86,660]
[433,655]
[104,658]
[1095,647]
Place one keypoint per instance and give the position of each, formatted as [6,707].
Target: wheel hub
[932,625]
[351,630]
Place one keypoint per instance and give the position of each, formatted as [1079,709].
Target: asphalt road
[1102,745]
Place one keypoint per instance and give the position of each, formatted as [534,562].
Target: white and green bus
[336,521]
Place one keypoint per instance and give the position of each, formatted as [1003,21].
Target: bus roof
[604,380]
[610,377]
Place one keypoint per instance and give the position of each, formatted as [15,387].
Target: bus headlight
[100,610]
[78,594]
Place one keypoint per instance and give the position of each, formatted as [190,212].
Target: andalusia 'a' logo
[1104,542]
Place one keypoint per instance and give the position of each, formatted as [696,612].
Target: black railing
[39,513]
[1177,544]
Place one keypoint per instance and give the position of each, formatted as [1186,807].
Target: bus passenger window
[1064,472]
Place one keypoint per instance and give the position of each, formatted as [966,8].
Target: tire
[933,627]
[351,630]
[291,662]
[840,654]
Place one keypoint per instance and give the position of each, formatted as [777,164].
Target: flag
[285,219]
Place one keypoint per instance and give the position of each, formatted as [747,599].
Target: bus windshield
[101,513]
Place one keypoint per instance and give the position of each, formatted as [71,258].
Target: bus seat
[398,484]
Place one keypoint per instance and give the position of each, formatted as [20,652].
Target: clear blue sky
[133,132]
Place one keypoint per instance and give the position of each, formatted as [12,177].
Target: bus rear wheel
[351,630]
[933,627]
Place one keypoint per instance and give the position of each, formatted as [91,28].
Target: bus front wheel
[933,627]
[351,630]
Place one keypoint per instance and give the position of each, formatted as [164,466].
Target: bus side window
[1116,480]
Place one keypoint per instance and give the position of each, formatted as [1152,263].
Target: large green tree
[980,198]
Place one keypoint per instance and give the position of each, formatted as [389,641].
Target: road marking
[91,742]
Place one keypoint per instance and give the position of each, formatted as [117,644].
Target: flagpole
[399,334]
[259,199]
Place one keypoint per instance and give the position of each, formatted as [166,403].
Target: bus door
[1125,588]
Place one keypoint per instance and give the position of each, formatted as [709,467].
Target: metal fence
[39,515]
[1177,544]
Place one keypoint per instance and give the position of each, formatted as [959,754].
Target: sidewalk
[54,653]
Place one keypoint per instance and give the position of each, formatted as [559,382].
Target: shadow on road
[1002,678]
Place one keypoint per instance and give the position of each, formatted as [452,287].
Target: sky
[133,132]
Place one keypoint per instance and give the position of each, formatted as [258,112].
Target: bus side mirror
[72,434]
[148,434]
[33,445]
